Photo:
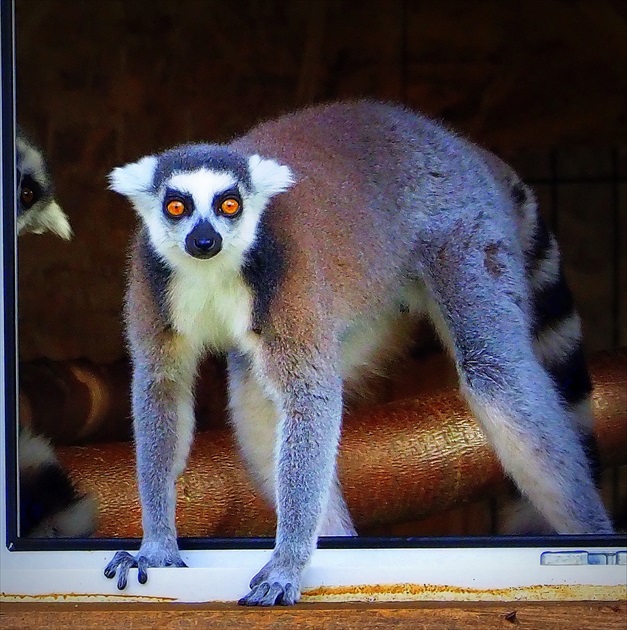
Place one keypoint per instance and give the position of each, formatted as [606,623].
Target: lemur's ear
[269,177]
[135,178]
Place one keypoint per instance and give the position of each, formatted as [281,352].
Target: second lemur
[49,503]
[292,249]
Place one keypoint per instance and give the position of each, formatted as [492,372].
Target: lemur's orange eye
[229,206]
[175,208]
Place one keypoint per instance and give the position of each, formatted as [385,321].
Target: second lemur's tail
[50,504]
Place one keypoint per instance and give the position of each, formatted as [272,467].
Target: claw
[121,564]
[275,594]
[142,569]
[122,579]
[266,594]
[109,571]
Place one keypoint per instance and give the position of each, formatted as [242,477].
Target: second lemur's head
[200,200]
[37,210]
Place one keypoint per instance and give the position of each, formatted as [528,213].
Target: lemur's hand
[151,554]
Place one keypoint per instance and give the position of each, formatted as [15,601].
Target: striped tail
[557,335]
[50,505]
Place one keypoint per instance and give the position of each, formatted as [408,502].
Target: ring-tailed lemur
[49,504]
[295,249]
[37,210]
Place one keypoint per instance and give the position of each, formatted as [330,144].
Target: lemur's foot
[273,586]
[150,555]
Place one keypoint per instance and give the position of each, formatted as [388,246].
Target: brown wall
[101,82]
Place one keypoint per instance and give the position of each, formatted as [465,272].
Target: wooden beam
[403,616]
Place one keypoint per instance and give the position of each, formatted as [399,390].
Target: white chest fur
[210,303]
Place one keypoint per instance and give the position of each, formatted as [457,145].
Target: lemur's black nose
[204,244]
[203,241]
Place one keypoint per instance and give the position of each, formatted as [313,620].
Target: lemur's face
[201,201]
[37,211]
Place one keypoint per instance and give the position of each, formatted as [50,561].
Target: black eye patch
[232,194]
[171,198]
[29,192]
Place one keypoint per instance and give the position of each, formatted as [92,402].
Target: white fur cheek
[158,236]
[169,248]
[165,240]
[146,205]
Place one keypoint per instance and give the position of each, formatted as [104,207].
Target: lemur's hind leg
[518,515]
[479,303]
[557,343]
[254,417]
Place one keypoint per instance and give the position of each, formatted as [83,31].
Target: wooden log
[398,462]
[77,401]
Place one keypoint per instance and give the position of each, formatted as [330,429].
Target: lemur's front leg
[255,417]
[163,426]
[309,389]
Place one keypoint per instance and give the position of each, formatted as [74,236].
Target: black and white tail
[50,504]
